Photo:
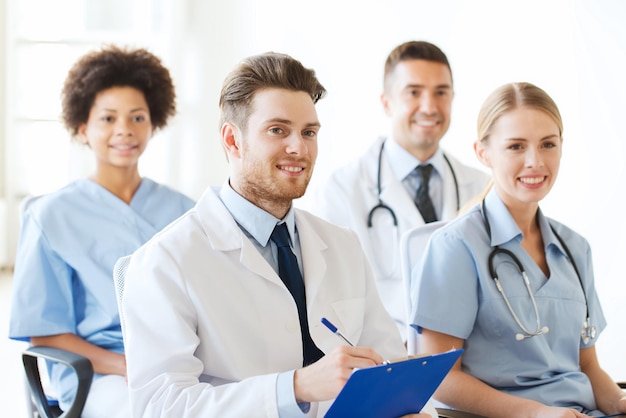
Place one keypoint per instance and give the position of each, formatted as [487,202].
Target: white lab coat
[349,194]
[209,324]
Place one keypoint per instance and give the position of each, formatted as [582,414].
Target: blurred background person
[405,180]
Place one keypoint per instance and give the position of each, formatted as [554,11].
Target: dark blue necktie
[289,273]
[422,197]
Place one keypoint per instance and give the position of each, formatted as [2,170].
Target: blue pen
[335,331]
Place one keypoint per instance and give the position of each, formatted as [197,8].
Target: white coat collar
[224,234]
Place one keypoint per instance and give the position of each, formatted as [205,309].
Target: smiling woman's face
[119,127]
[523,150]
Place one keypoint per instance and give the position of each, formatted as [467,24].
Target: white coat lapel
[225,235]
[252,260]
[313,260]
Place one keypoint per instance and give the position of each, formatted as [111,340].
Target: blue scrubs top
[69,243]
[454,294]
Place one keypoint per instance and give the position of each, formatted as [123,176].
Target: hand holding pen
[335,331]
[324,379]
[329,374]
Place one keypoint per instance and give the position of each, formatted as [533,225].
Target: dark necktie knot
[280,235]
[425,171]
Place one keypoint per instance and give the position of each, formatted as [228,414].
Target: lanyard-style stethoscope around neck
[587,332]
[382,205]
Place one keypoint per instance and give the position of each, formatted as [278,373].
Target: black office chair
[41,405]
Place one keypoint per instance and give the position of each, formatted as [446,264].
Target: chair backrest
[119,278]
[412,245]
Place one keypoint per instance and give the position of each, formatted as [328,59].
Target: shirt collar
[505,229]
[404,162]
[256,221]
[547,233]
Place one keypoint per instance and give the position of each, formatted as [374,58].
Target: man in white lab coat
[417,97]
[210,328]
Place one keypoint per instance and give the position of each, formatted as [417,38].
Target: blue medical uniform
[454,294]
[69,243]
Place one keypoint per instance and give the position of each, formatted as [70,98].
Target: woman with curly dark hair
[113,101]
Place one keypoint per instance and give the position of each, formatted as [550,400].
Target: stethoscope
[587,332]
[382,205]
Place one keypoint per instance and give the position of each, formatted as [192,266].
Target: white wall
[574,49]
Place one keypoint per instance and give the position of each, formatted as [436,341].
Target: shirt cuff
[286,398]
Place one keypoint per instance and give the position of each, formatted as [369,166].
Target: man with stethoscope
[377,195]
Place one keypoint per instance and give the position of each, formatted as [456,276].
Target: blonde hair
[512,96]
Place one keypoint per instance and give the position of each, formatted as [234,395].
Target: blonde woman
[524,352]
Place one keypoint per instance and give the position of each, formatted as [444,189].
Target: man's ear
[385,102]
[482,154]
[231,140]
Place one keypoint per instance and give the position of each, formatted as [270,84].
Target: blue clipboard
[392,390]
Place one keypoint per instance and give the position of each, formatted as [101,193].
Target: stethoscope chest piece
[588,331]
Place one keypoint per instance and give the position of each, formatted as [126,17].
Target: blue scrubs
[455,295]
[69,243]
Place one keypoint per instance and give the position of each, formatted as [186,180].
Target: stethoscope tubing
[379,189]
[588,330]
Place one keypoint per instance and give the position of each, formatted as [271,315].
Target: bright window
[44,38]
